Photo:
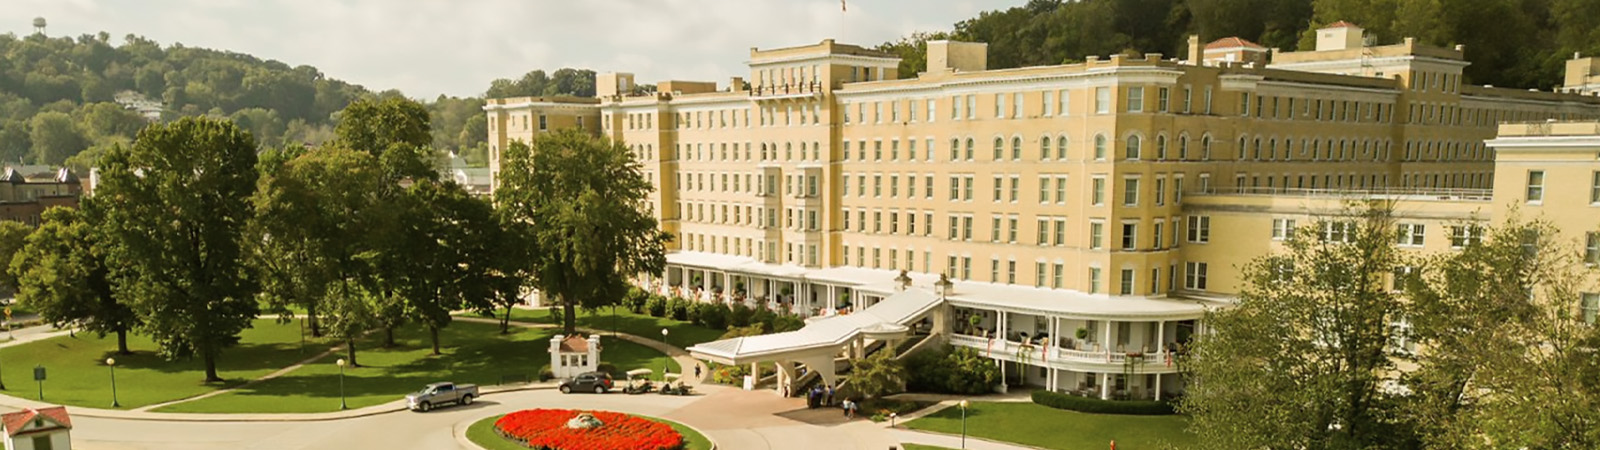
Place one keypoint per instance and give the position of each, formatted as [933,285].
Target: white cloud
[427,47]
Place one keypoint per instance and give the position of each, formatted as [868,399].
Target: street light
[342,405]
[963,424]
[665,367]
[664,336]
[112,363]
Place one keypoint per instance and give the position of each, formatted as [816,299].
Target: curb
[386,408]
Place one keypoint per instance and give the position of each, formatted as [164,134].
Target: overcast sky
[429,47]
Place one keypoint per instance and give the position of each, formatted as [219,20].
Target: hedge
[1097,406]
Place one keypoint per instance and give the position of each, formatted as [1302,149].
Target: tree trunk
[210,359]
[122,342]
[388,337]
[433,332]
[350,352]
[569,317]
[311,318]
[505,322]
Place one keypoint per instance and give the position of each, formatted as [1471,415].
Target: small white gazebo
[42,429]
[573,355]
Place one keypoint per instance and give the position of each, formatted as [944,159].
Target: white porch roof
[825,335]
[738,265]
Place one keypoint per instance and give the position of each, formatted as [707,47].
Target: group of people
[823,397]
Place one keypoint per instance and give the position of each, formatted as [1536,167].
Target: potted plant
[1083,337]
[972,324]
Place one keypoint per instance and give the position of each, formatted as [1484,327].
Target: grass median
[1045,427]
[77,375]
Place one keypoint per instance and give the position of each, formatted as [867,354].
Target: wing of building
[1089,214]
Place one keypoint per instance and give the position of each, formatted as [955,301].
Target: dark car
[596,382]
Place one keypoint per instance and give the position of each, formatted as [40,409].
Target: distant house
[38,429]
[27,190]
[150,110]
[475,180]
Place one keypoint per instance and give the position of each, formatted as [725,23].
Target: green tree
[63,273]
[176,204]
[1298,361]
[877,375]
[55,137]
[13,235]
[585,199]
[446,249]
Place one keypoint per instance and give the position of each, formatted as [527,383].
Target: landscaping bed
[546,429]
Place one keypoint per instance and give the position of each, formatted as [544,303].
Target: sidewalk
[390,407]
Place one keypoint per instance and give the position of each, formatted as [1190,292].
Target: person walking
[828,398]
[696,371]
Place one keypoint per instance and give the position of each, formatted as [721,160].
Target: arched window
[1244,148]
[970,145]
[1161,147]
[1061,148]
[999,147]
[1183,147]
[1134,147]
[1205,147]
[1016,148]
[1044,148]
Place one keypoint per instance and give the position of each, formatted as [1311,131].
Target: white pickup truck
[441,394]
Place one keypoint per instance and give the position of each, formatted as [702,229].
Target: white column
[1105,386]
[1161,337]
[1052,378]
[1158,387]
[1108,342]
[1000,326]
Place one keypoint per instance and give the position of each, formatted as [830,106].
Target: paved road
[735,419]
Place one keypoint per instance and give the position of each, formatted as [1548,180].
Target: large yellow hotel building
[1087,214]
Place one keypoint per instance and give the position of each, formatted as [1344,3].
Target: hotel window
[1130,191]
[1126,286]
[847,226]
[966,188]
[1011,272]
[972,106]
[1016,182]
[1336,231]
[1016,105]
[955,227]
[861,186]
[927,187]
[1060,231]
[1097,231]
[966,228]
[1056,275]
[1188,99]
[955,188]
[1162,99]
[1161,147]
[933,108]
[877,185]
[1044,189]
[894,150]
[1205,148]
[1061,148]
[1130,236]
[1038,274]
[1094,280]
[994,229]
[1410,234]
[966,268]
[1591,307]
[1135,99]
[911,149]
[1161,191]
[1000,106]
[955,150]
[894,186]
[1044,148]
[1535,186]
[1102,100]
[1011,229]
[1016,148]
[999,148]
[1199,229]
[955,108]
[1157,235]
[1049,103]
[1061,189]
[911,225]
[999,186]
[1194,276]
[1134,147]
[1207,100]
[1099,147]
[927,217]
[544,122]
[1591,248]
[1044,231]
[1594,188]
[1097,194]
[1282,229]
[971,144]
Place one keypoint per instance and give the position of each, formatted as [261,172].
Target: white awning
[825,335]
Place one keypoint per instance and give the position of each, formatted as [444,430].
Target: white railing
[1406,193]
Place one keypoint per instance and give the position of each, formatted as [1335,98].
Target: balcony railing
[1402,193]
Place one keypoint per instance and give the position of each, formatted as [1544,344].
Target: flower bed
[546,429]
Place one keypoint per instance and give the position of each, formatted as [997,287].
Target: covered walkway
[823,339]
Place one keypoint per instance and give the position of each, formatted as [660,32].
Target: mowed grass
[679,334]
[482,433]
[1041,426]
[471,353]
[76,373]
[909,446]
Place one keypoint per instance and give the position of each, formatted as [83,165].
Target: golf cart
[638,382]
[667,388]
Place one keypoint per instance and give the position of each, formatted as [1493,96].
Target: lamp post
[112,363]
[342,405]
[963,424]
[664,366]
[664,336]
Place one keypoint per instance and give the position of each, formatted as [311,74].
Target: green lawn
[1041,426]
[923,447]
[482,433]
[679,334]
[77,374]
[473,353]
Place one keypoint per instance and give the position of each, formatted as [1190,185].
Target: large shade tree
[63,274]
[446,250]
[585,199]
[176,204]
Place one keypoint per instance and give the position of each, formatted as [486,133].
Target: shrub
[739,315]
[787,322]
[656,306]
[712,315]
[679,309]
[733,375]
[546,375]
[1097,406]
[951,370]
[609,369]
[764,317]
[752,330]
[635,300]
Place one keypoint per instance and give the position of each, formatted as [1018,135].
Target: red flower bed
[546,429]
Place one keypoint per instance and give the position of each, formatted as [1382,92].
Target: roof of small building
[15,422]
[1341,24]
[1233,42]
[38,174]
[574,344]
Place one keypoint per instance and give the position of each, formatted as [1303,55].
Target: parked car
[437,394]
[596,382]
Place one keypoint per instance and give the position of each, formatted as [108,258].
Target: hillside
[1511,43]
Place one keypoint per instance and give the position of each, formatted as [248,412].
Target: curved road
[735,419]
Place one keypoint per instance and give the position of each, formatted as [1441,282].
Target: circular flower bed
[546,429]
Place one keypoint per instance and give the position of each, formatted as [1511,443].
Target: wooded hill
[1511,43]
